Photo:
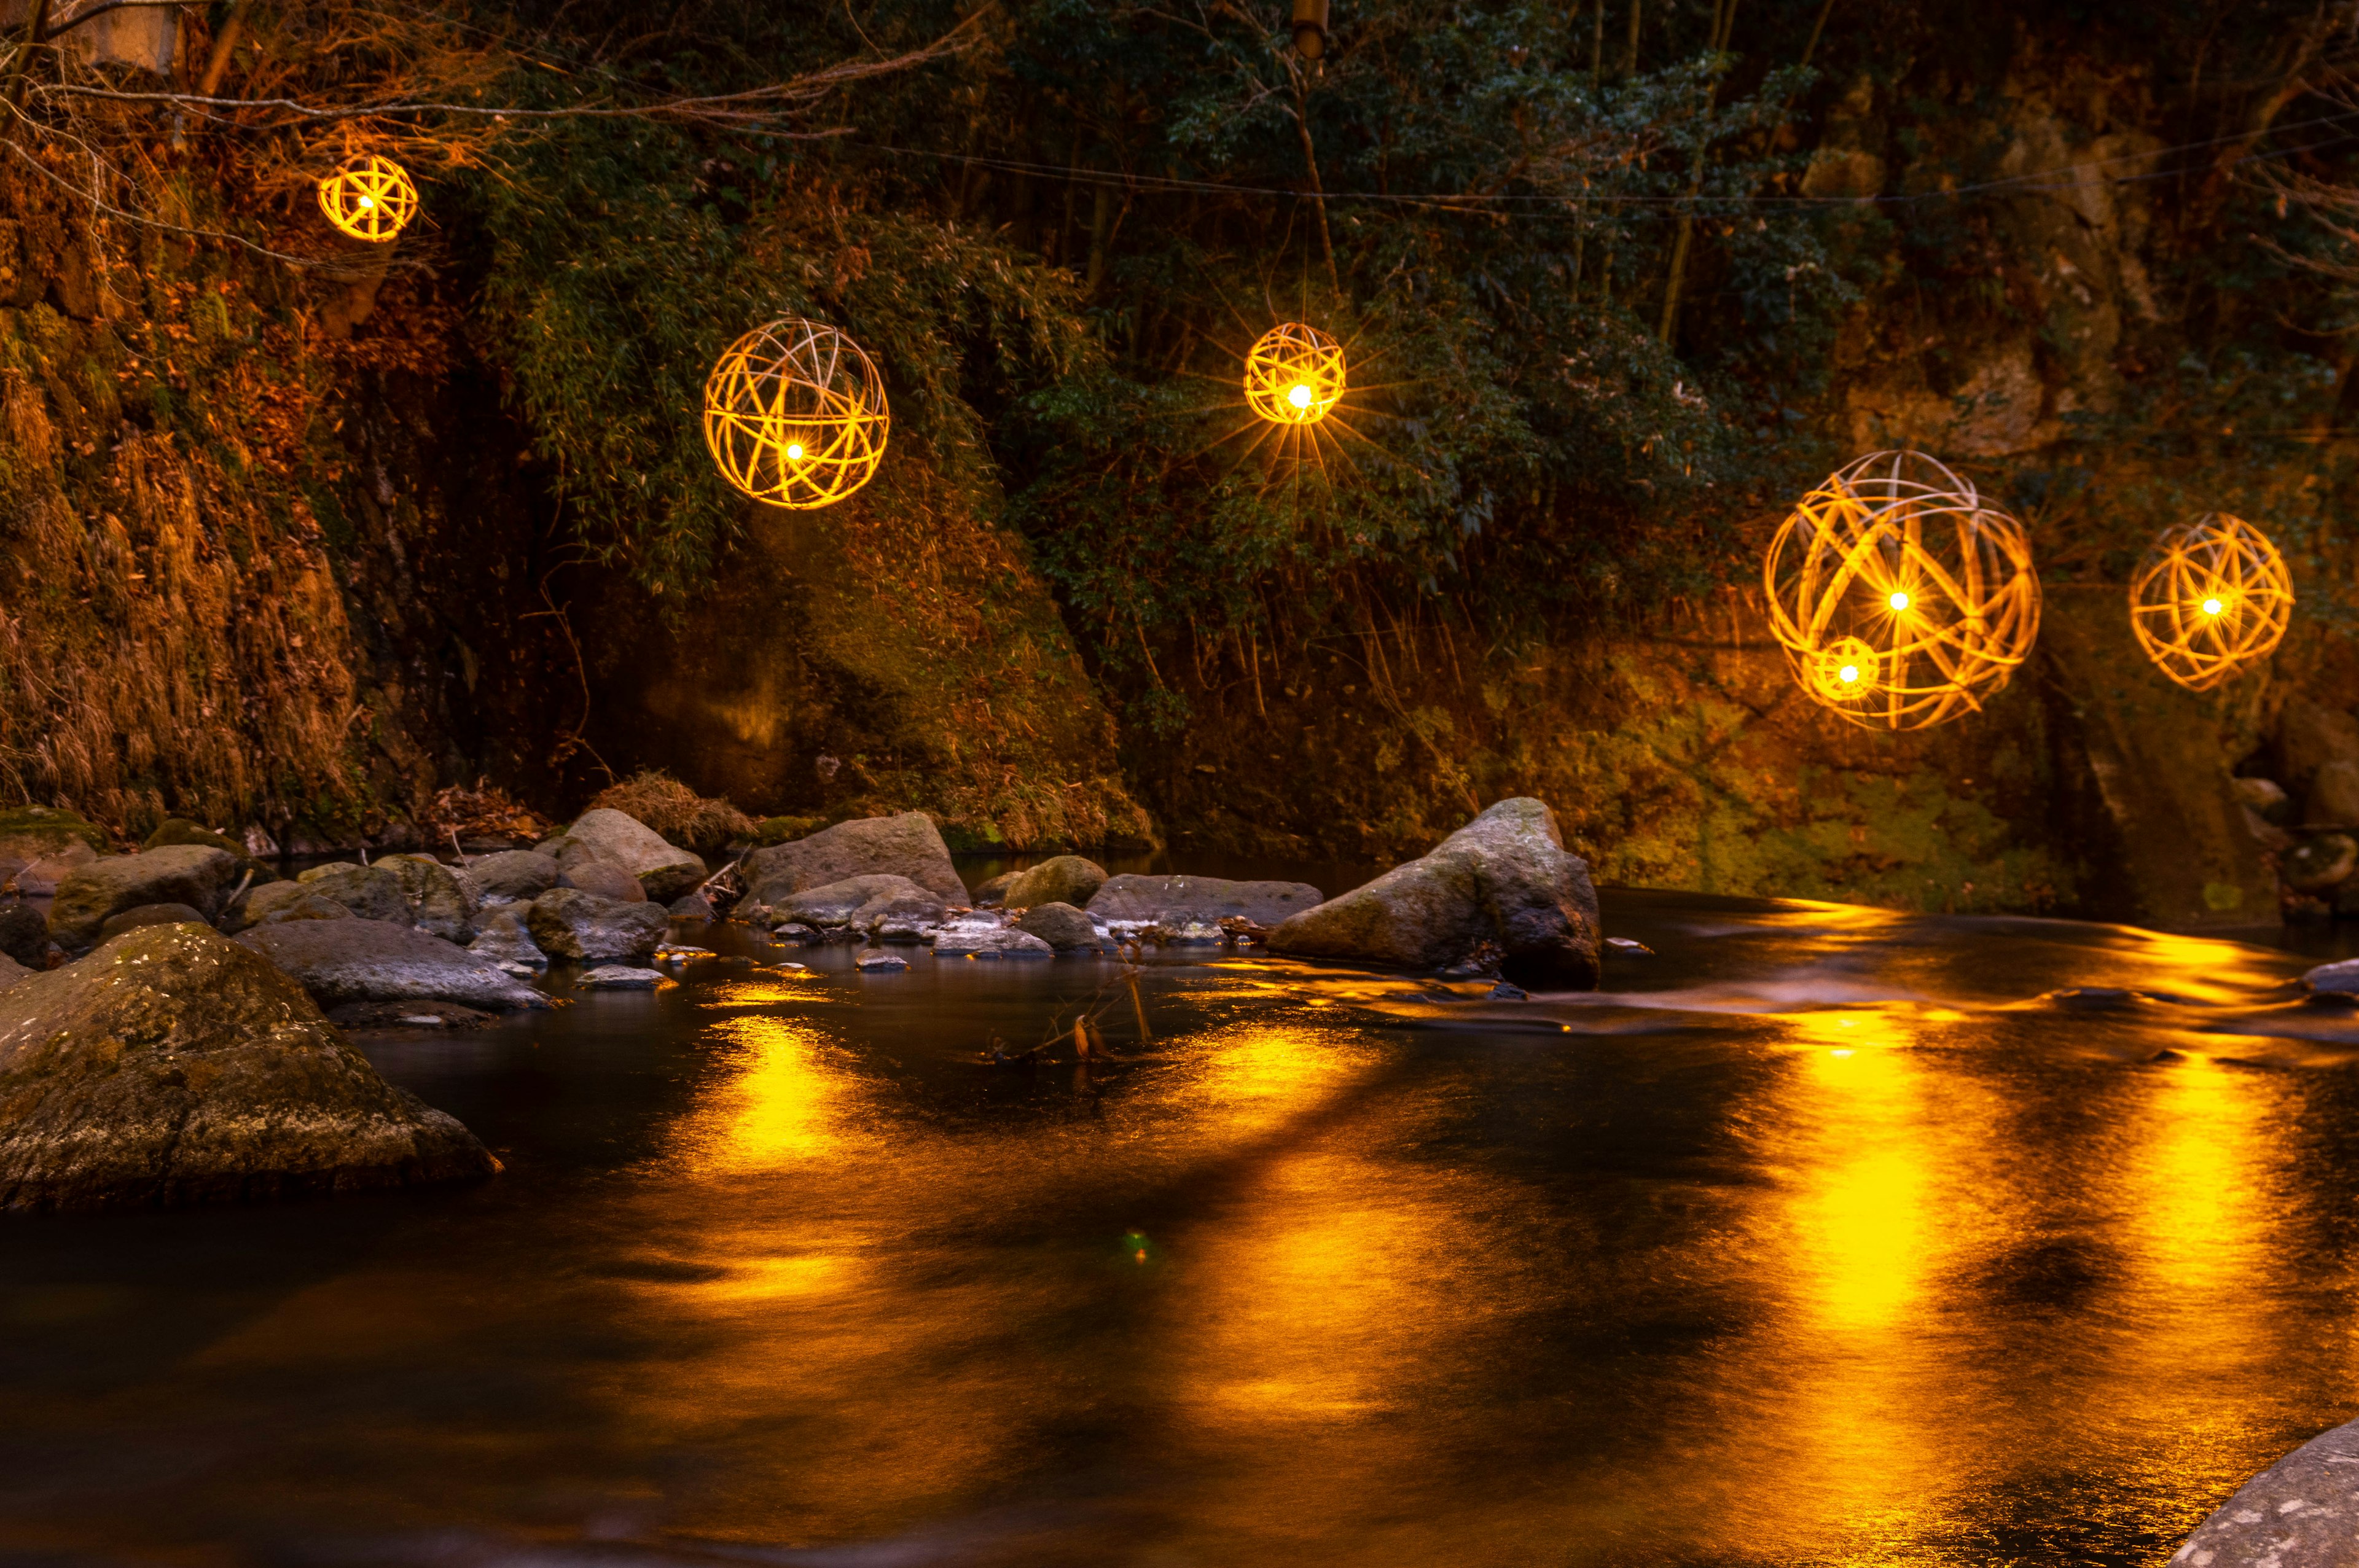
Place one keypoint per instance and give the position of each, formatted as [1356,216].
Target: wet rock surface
[503,939]
[1504,882]
[278,901]
[858,902]
[604,880]
[1066,879]
[412,1014]
[181,874]
[1193,907]
[981,940]
[512,875]
[368,891]
[664,871]
[1062,926]
[340,961]
[907,846]
[150,915]
[174,1066]
[2301,1512]
[567,923]
[620,978]
[442,901]
[25,935]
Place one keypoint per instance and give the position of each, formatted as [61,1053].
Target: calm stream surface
[1826,1236]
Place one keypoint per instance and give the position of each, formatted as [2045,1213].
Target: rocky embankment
[169,1018]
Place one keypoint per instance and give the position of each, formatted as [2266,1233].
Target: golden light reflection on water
[787,1103]
[1252,1076]
[2196,1185]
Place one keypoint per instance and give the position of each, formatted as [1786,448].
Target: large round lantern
[795,415]
[369,198]
[2209,596]
[1294,375]
[1900,596]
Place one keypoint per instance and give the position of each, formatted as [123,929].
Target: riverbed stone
[181,830]
[1066,879]
[2320,861]
[976,939]
[2338,979]
[1061,925]
[376,961]
[877,959]
[620,978]
[278,901]
[25,935]
[42,877]
[992,892]
[665,870]
[35,833]
[2301,1512]
[513,876]
[604,878]
[911,916]
[503,939]
[692,906]
[907,845]
[442,901]
[842,904]
[370,893]
[1192,908]
[192,874]
[1504,882]
[567,923]
[411,1014]
[174,1066]
[125,920]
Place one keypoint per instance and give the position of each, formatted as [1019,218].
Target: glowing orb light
[2209,596]
[1293,375]
[369,198]
[1901,599]
[795,415]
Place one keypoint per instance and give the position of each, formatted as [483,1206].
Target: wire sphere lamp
[1900,596]
[369,198]
[795,415]
[1294,375]
[2209,596]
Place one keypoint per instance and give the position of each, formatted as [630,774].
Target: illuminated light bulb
[368,198]
[1848,674]
[1900,600]
[794,451]
[1294,375]
[1299,397]
[2212,607]
[794,374]
[2209,598]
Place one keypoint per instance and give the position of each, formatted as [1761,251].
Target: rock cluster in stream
[189,1058]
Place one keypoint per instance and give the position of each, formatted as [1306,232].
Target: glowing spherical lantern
[795,415]
[2209,596]
[1901,599]
[369,198]
[1295,374]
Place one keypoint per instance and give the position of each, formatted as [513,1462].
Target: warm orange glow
[2211,596]
[1895,566]
[795,415]
[369,198]
[1295,374]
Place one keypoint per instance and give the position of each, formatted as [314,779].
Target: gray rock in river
[174,1066]
[991,893]
[141,915]
[179,873]
[978,939]
[570,923]
[692,906]
[442,902]
[665,870]
[43,875]
[905,846]
[2339,979]
[2301,1512]
[1193,907]
[855,901]
[11,971]
[604,880]
[25,935]
[513,876]
[877,959]
[1066,879]
[504,940]
[2320,862]
[368,893]
[620,978]
[1503,880]
[278,901]
[375,960]
[1062,926]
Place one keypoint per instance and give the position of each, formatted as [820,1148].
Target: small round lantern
[2209,596]
[1900,598]
[795,415]
[369,198]
[1295,374]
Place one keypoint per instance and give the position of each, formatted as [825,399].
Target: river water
[1826,1236]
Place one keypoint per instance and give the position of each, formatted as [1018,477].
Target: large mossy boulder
[570,924]
[341,961]
[907,845]
[181,830]
[1066,878]
[1193,908]
[192,874]
[664,870]
[30,833]
[1503,886]
[173,1066]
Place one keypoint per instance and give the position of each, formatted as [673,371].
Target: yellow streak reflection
[788,1105]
